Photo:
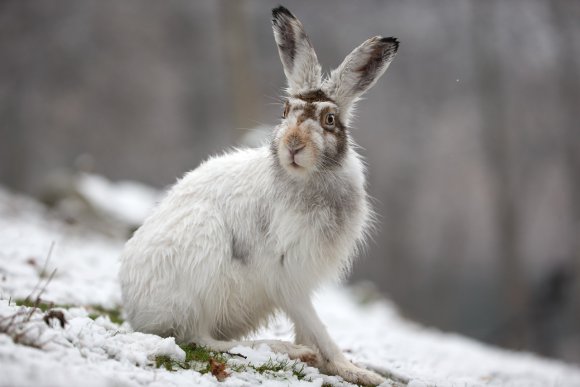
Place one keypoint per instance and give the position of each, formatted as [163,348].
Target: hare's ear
[298,57]
[360,70]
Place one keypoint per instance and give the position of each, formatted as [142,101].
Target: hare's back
[199,211]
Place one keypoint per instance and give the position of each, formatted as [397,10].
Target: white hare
[256,231]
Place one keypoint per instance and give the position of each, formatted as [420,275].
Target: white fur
[178,275]
[305,73]
[342,80]
[243,236]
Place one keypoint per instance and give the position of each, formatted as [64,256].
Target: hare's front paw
[354,374]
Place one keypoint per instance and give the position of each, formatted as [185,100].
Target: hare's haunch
[258,230]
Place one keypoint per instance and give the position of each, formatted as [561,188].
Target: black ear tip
[392,41]
[281,11]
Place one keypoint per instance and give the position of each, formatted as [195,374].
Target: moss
[114,314]
[238,367]
[196,357]
[202,354]
[42,305]
[95,310]
[278,366]
[164,361]
[298,371]
[272,366]
[200,358]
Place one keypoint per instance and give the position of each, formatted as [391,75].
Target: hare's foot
[295,351]
[352,373]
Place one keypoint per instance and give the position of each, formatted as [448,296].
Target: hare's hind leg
[294,351]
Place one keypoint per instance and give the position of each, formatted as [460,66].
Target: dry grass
[22,324]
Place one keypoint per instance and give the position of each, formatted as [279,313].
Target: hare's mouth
[296,168]
[297,162]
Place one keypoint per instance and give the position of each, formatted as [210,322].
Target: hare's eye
[329,120]
[286,110]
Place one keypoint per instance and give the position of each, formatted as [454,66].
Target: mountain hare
[258,230]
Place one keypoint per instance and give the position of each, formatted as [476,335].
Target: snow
[86,263]
[99,352]
[126,201]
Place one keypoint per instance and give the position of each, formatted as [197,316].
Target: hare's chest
[315,228]
[302,255]
[307,239]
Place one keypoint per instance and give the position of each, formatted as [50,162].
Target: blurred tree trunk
[237,46]
[14,150]
[565,16]
[498,149]
[399,273]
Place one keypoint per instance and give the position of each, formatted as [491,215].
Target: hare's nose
[293,149]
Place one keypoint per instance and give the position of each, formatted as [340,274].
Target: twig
[16,325]
[236,354]
[48,256]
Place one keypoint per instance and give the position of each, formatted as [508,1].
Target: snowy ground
[93,351]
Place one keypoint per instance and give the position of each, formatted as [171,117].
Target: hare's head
[313,134]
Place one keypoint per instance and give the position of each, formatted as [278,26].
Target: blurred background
[472,136]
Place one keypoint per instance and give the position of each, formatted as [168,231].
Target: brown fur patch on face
[333,153]
[314,96]
[337,124]
[309,111]
[333,157]
[295,138]
[298,138]
[310,97]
